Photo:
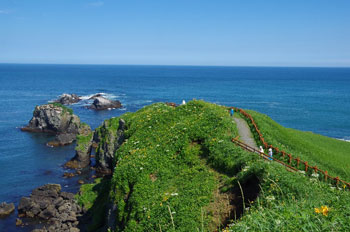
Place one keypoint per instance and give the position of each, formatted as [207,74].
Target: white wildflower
[174,194]
[315,175]
[270,198]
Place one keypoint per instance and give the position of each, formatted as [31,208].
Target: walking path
[244,132]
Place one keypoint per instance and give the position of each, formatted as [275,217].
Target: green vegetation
[179,171]
[327,153]
[65,108]
[94,197]
[83,142]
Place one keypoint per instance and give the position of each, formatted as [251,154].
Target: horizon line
[177,65]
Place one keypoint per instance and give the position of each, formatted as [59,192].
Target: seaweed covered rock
[102,103]
[56,119]
[67,99]
[110,136]
[82,149]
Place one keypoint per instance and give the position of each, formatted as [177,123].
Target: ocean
[308,99]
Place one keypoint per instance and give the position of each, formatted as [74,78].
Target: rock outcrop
[82,149]
[48,203]
[56,119]
[6,209]
[106,149]
[67,99]
[101,103]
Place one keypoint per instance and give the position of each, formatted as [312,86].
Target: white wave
[106,95]
[346,140]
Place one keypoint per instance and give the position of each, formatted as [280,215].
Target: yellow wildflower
[317,210]
[325,210]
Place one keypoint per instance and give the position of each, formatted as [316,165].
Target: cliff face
[110,138]
[82,148]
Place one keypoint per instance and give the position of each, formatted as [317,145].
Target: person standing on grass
[232,112]
[270,154]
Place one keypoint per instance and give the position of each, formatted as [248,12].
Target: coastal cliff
[176,169]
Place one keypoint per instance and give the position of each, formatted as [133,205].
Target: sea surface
[308,99]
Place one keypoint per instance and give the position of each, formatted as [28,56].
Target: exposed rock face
[106,150]
[56,119]
[82,149]
[101,103]
[49,203]
[6,209]
[67,99]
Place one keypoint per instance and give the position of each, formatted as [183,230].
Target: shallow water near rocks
[310,99]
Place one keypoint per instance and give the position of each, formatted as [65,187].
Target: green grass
[175,159]
[65,108]
[83,142]
[327,153]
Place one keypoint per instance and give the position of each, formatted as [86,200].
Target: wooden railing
[295,164]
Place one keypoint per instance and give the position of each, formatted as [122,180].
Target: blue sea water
[309,99]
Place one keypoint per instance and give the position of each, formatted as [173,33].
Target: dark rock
[47,202]
[101,103]
[105,155]
[62,139]
[48,213]
[67,196]
[48,190]
[67,99]
[25,204]
[6,209]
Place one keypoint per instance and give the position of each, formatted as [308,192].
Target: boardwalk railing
[285,158]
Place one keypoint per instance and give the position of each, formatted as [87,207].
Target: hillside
[178,170]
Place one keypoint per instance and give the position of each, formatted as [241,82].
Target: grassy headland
[179,171]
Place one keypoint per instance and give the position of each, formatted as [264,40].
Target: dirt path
[245,135]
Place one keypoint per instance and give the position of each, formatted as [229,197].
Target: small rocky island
[6,209]
[100,102]
[54,118]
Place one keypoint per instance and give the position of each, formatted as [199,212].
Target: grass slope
[327,153]
[177,167]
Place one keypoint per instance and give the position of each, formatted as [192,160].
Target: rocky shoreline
[57,209]
[54,209]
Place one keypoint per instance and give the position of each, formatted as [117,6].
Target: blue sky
[176,32]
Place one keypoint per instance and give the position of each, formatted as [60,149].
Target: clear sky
[176,32]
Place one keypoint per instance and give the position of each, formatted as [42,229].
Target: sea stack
[56,119]
[67,99]
[102,103]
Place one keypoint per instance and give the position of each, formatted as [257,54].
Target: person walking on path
[270,154]
[261,149]
[232,112]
